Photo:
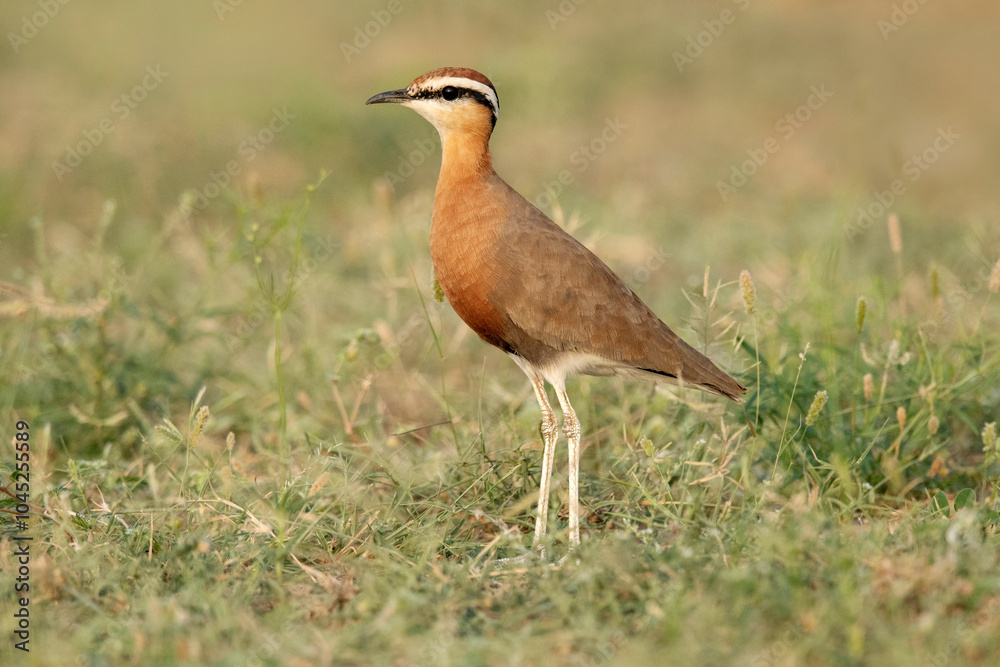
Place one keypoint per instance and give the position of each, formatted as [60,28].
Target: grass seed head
[989,436]
[318,485]
[895,235]
[901,417]
[869,385]
[438,292]
[862,311]
[200,420]
[817,406]
[893,356]
[994,283]
[933,424]
[938,468]
[749,292]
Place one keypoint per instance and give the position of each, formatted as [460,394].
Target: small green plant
[273,243]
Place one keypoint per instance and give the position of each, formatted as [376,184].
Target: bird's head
[453,99]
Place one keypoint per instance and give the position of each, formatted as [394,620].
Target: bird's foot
[569,559]
[524,560]
[537,557]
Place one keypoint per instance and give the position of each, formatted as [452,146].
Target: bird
[529,288]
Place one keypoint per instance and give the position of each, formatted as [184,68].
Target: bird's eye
[449,93]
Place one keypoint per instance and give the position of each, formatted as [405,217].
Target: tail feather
[714,380]
[706,374]
[693,367]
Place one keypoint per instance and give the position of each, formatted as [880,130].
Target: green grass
[257,438]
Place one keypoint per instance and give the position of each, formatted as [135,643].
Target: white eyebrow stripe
[462,82]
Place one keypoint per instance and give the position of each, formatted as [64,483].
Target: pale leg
[549,433]
[571,428]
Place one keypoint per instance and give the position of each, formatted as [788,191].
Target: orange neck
[464,155]
[468,210]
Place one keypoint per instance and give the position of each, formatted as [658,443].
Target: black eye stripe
[461,92]
[479,97]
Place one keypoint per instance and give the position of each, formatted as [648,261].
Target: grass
[257,438]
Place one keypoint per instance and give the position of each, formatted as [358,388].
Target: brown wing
[559,297]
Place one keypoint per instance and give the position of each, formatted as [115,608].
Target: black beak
[390,96]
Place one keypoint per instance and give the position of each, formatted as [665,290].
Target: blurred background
[738,134]
[561,69]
